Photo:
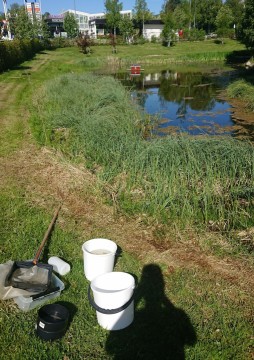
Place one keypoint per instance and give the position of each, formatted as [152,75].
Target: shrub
[154,39]
[84,42]
[194,34]
[60,42]
[140,40]
[15,52]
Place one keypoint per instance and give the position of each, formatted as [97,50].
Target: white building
[153,28]
[87,23]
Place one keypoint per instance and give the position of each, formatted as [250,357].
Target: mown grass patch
[201,315]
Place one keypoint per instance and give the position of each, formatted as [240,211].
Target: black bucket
[52,321]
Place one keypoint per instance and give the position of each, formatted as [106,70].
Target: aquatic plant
[180,179]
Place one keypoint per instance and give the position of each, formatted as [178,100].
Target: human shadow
[159,330]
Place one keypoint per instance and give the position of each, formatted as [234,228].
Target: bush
[154,39]
[84,42]
[101,40]
[194,34]
[15,52]
[60,42]
[140,40]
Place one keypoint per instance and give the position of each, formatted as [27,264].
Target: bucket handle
[108,311]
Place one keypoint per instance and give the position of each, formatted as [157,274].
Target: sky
[55,7]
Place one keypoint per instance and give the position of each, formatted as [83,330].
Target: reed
[181,179]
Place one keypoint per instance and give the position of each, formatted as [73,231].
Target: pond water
[186,101]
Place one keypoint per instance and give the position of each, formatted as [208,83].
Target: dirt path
[48,178]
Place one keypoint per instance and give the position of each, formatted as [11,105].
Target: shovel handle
[36,258]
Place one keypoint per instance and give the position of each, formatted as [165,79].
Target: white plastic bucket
[113,300]
[99,257]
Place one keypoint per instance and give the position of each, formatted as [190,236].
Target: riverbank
[205,277]
[204,182]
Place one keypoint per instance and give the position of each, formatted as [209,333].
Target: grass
[183,180]
[182,311]
[195,318]
[182,51]
[241,89]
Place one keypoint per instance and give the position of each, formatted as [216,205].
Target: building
[33,10]
[95,24]
[152,28]
[55,24]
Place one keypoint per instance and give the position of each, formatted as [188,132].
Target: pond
[185,101]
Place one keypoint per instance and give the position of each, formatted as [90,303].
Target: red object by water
[135,69]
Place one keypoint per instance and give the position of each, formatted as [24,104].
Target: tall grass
[181,179]
[242,90]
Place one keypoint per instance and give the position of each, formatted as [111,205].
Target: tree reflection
[195,90]
[185,101]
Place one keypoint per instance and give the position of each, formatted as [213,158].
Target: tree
[13,15]
[170,5]
[206,12]
[113,16]
[23,28]
[44,28]
[224,21]
[182,15]
[247,34]
[168,33]
[126,28]
[70,25]
[141,14]
[237,8]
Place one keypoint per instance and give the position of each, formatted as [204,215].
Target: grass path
[46,178]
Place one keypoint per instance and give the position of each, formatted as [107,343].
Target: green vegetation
[247,25]
[200,314]
[70,25]
[242,90]
[200,309]
[155,54]
[15,52]
[181,180]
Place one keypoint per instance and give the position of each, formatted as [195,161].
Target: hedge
[13,53]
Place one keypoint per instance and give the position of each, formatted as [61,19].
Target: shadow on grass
[159,330]
[71,308]
[21,67]
[239,57]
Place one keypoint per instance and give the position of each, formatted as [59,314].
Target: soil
[48,178]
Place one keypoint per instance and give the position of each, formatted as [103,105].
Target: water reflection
[184,101]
